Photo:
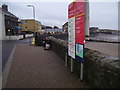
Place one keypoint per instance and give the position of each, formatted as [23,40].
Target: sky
[103,14]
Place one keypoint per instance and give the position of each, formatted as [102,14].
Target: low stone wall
[15,37]
[100,70]
[28,35]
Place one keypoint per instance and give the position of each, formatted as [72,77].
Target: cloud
[104,15]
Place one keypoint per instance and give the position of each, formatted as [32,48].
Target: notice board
[76,41]
[71,30]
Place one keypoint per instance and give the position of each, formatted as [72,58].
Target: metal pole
[33,16]
[71,64]
[66,59]
[34,19]
[45,30]
[81,72]
[87,18]
[29,41]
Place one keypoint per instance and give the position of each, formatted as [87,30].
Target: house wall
[119,15]
[10,23]
[2,26]
[28,25]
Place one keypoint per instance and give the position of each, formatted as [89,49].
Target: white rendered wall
[2,26]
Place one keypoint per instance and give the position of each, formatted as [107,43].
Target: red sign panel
[79,21]
[79,29]
[79,7]
[71,10]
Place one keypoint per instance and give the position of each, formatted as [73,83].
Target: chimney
[5,7]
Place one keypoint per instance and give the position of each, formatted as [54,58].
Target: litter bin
[38,40]
[43,43]
[44,37]
[47,44]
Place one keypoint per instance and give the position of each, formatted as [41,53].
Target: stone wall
[28,35]
[2,25]
[100,70]
[15,37]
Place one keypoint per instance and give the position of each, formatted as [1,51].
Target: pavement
[110,49]
[7,47]
[34,67]
[105,43]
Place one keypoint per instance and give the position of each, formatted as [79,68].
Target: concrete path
[34,67]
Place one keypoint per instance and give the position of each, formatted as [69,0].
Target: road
[7,47]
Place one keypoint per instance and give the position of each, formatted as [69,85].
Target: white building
[119,15]
[2,25]
[3,35]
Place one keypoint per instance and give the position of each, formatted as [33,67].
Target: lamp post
[33,16]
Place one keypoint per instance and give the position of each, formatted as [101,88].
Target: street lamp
[33,16]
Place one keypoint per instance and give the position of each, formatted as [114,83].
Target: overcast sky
[102,14]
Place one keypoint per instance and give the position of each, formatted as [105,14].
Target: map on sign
[79,50]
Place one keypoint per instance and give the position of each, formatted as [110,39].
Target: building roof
[1,11]
[7,13]
[65,24]
[27,19]
[30,20]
